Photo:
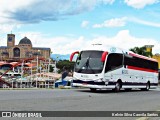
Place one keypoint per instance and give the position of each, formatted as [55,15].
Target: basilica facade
[23,50]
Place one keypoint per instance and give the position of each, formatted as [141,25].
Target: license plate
[84,83]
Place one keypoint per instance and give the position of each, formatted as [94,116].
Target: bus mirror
[79,57]
[104,54]
[72,55]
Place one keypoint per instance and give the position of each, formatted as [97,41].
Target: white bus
[114,68]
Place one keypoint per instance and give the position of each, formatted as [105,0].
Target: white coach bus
[114,68]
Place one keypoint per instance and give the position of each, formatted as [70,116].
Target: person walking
[64,73]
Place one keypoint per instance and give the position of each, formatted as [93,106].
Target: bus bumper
[93,84]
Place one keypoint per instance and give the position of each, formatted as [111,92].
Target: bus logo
[113,49]
[124,71]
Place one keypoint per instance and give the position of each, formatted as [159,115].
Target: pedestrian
[64,73]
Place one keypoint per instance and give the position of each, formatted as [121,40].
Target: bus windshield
[89,62]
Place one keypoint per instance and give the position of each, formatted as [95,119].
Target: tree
[51,68]
[141,51]
[68,65]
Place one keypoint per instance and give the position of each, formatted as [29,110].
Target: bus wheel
[147,87]
[93,89]
[117,87]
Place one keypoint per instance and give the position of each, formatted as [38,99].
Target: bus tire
[117,86]
[93,89]
[147,87]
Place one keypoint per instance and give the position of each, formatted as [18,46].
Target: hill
[60,57]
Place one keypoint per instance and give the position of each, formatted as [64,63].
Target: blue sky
[69,25]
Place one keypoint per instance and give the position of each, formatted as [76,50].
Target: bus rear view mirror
[104,54]
[72,55]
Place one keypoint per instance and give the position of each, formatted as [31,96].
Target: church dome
[25,40]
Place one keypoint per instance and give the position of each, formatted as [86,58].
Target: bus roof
[111,49]
[99,47]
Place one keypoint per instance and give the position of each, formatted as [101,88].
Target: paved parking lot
[79,100]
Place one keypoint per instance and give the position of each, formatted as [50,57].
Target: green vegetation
[51,68]
[68,65]
[141,51]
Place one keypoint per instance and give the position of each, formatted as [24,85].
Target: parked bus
[114,68]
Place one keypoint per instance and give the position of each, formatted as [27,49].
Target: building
[23,50]
[157,57]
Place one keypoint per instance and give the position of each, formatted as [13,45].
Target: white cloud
[15,13]
[3,41]
[108,1]
[7,28]
[8,7]
[58,45]
[120,22]
[66,45]
[84,24]
[33,36]
[123,39]
[138,4]
[8,24]
[143,22]
[115,22]
[35,11]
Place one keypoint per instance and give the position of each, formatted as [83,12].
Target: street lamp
[56,64]
[37,68]
[22,65]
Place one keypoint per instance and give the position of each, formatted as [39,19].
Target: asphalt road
[80,100]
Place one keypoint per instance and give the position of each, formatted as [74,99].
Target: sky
[66,26]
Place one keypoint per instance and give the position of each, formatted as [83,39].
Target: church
[23,50]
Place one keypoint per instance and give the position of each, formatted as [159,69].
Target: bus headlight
[99,80]
[106,83]
[74,78]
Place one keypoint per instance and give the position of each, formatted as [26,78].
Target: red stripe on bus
[143,57]
[142,69]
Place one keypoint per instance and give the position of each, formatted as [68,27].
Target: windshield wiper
[87,65]
[87,62]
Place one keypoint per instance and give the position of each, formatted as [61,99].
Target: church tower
[10,40]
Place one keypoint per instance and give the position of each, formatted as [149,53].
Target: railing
[7,83]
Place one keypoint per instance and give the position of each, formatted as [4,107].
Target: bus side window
[141,63]
[114,61]
[128,61]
